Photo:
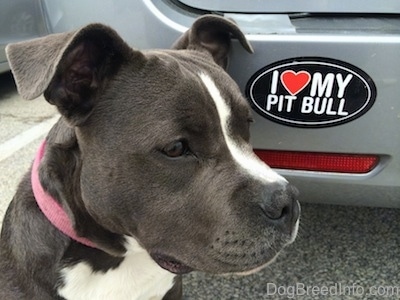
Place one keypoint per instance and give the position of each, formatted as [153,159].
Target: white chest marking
[138,277]
[242,154]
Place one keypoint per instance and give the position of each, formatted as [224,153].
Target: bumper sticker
[311,92]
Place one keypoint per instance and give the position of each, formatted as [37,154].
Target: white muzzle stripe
[242,154]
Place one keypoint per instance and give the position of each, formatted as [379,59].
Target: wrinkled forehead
[171,95]
[185,71]
[230,113]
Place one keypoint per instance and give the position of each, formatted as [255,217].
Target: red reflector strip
[320,162]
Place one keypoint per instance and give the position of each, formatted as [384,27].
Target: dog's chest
[138,277]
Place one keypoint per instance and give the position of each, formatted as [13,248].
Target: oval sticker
[311,92]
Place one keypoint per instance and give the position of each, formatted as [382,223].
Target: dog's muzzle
[281,208]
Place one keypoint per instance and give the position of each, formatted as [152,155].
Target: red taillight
[320,162]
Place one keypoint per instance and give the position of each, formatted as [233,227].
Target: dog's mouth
[171,264]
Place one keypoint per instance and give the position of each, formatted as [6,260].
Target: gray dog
[148,174]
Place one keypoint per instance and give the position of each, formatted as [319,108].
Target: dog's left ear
[71,68]
[213,34]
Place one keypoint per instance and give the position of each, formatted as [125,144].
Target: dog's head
[163,139]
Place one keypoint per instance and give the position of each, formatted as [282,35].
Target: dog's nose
[282,208]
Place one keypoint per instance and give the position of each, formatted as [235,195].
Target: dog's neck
[53,211]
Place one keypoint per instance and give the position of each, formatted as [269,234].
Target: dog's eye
[176,149]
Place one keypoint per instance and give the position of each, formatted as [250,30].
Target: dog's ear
[69,68]
[213,34]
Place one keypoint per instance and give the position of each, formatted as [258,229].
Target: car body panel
[370,42]
[296,6]
[377,132]
[19,20]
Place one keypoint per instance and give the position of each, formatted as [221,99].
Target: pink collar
[50,207]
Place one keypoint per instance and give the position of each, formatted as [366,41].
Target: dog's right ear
[69,68]
[212,33]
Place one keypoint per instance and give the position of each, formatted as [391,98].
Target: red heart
[295,82]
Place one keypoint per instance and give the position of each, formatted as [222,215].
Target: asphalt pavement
[341,252]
